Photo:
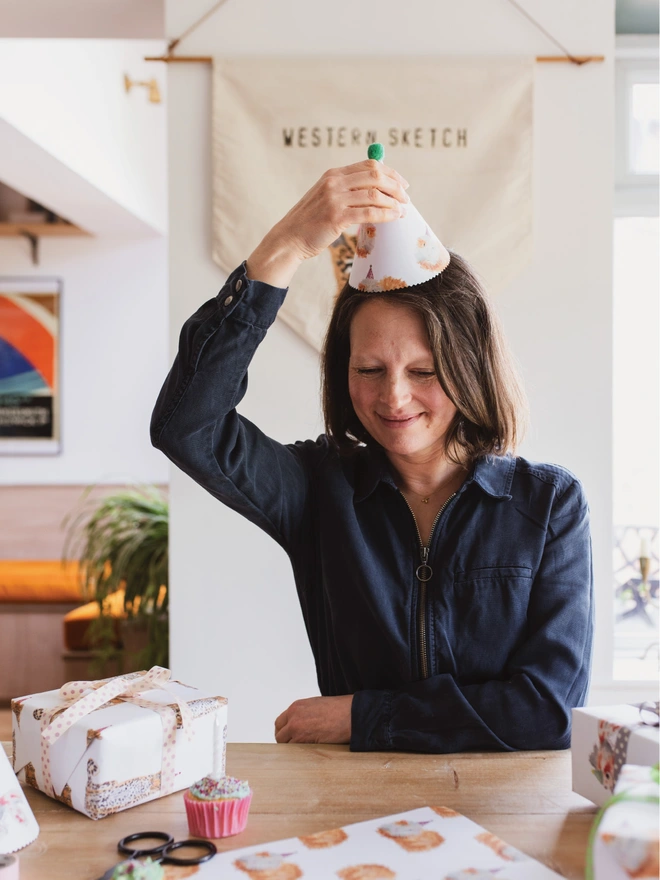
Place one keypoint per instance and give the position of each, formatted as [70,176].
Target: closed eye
[371,371]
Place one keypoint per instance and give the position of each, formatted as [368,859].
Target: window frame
[636,61]
[635,195]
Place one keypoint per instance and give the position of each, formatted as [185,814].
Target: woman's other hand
[367,192]
[316,720]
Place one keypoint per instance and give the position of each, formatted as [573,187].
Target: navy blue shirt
[492,653]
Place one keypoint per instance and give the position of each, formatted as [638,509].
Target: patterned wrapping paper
[431,843]
[628,840]
[18,827]
[101,747]
[603,739]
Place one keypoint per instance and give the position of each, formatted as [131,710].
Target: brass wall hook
[151,84]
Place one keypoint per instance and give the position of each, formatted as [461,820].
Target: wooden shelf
[40,230]
[34,231]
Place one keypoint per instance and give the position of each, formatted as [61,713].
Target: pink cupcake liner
[221,818]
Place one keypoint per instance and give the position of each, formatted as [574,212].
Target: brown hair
[472,363]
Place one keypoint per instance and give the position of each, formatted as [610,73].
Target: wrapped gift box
[101,747]
[603,739]
[627,839]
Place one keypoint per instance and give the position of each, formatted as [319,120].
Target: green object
[376,151]
[136,870]
[122,540]
[615,799]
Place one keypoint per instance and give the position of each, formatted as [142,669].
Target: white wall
[68,98]
[235,622]
[114,356]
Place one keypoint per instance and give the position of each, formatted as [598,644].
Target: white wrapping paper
[152,737]
[18,827]
[431,843]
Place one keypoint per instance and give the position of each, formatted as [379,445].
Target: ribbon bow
[84,697]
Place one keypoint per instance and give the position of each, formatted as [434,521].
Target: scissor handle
[210,848]
[123,845]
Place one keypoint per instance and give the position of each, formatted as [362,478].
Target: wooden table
[523,797]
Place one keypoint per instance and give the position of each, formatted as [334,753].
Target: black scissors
[162,852]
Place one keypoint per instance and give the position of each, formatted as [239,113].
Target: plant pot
[137,641]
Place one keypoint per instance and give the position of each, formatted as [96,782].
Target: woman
[446,585]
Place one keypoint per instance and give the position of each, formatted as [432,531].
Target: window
[636,373]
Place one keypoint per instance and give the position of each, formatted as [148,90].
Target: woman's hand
[367,192]
[316,720]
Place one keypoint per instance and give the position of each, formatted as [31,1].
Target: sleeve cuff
[371,713]
[254,302]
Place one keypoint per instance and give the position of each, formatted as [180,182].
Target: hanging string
[171,46]
[548,35]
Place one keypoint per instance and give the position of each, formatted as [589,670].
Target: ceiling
[145,19]
[106,19]
[637,16]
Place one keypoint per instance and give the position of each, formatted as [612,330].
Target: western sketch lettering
[303,136]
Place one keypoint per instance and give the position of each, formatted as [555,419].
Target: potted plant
[121,542]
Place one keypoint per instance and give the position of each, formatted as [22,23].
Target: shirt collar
[492,473]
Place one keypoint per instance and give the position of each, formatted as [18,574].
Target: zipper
[424,573]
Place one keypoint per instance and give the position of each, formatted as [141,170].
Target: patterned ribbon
[616,799]
[84,697]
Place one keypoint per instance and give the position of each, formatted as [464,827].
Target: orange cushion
[29,580]
[76,622]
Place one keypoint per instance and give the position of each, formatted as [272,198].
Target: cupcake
[217,806]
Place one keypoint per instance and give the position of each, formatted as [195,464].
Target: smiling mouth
[400,422]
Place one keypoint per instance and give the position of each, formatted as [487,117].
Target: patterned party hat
[398,254]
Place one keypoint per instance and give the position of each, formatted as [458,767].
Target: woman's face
[395,392]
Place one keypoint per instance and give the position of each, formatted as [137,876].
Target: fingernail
[402,210]
[407,197]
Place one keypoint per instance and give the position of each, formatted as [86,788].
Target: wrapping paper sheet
[603,739]
[18,827]
[431,843]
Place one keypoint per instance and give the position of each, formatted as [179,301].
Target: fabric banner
[458,129]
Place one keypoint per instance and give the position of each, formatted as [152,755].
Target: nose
[395,392]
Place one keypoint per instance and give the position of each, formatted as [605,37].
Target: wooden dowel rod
[576,59]
[207,59]
[185,59]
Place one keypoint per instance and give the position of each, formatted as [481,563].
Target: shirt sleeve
[195,422]
[530,707]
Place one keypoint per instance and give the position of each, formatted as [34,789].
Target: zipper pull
[424,571]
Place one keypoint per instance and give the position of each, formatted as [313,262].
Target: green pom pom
[376,151]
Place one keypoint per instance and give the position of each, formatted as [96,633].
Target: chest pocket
[483,619]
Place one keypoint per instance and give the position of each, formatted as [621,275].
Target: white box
[119,755]
[603,739]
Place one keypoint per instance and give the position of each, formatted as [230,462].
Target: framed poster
[30,366]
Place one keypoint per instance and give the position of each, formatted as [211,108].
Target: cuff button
[229,300]
[238,284]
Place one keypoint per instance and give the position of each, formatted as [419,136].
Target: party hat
[400,253]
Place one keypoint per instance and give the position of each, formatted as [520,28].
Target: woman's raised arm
[195,422]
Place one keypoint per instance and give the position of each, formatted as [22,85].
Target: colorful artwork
[29,363]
